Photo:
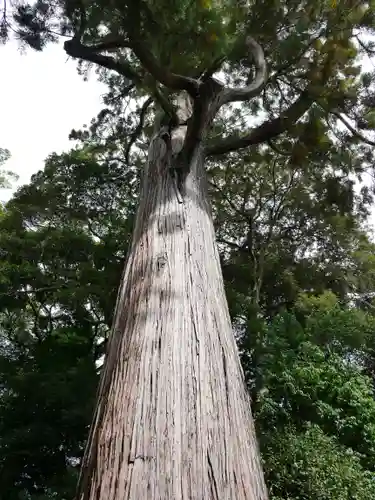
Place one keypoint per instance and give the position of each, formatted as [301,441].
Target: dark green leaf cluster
[315,408]
[63,241]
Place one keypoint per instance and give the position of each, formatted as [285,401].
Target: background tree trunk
[173,418]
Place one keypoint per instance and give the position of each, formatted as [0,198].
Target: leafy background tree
[6,176]
[297,257]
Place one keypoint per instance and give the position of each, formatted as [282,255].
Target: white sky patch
[42,99]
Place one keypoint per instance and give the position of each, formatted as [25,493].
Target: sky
[42,99]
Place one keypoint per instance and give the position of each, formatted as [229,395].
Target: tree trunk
[173,418]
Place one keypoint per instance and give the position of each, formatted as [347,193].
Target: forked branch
[75,48]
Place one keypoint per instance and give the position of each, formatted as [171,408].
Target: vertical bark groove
[173,417]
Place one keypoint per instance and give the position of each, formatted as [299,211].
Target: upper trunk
[173,417]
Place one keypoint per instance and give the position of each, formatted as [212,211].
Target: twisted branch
[256,86]
[272,128]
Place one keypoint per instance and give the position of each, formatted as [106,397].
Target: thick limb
[264,132]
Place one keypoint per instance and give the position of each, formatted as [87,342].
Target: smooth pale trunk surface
[173,419]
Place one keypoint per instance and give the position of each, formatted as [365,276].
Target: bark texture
[173,417]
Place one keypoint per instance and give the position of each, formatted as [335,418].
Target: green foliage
[48,386]
[4,155]
[286,227]
[310,465]
[194,32]
[189,36]
[58,237]
[315,409]
[6,176]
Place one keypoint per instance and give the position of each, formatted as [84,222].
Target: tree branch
[228,243]
[266,131]
[110,43]
[76,13]
[256,86]
[139,127]
[355,132]
[165,104]
[36,290]
[277,149]
[83,21]
[162,75]
[216,65]
[338,115]
[243,214]
[74,48]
